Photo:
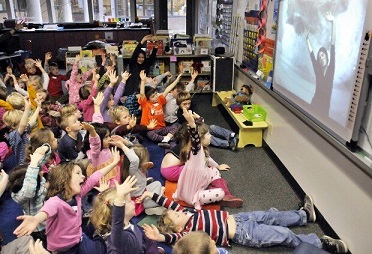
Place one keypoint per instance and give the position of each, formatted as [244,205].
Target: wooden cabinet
[42,41]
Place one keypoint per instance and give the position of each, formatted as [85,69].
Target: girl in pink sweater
[63,204]
[86,93]
[77,80]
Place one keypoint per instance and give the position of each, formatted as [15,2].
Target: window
[145,8]
[177,16]
[68,11]
[3,9]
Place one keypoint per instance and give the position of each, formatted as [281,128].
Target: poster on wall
[316,58]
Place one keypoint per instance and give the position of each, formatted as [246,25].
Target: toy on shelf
[243,97]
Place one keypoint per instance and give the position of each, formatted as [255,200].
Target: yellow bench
[248,135]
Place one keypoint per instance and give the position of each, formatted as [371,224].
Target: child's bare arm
[33,118]
[29,223]
[171,86]
[143,80]
[24,120]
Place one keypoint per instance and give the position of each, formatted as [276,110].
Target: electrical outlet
[270,128]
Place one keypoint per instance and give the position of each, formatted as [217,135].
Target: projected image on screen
[316,59]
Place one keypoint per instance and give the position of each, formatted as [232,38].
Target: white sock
[166,139]
[232,134]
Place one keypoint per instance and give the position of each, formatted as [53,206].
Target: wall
[340,189]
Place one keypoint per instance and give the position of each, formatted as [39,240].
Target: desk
[248,135]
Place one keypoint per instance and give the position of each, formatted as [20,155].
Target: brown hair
[68,109]
[64,123]
[60,177]
[37,139]
[185,139]
[183,96]
[143,156]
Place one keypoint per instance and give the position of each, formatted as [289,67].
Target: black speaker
[222,73]
[219,50]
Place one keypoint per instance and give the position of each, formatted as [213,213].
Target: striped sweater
[213,222]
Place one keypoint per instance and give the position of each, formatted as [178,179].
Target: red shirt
[55,84]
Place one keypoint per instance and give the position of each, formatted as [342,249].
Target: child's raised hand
[77,58]
[152,124]
[189,117]
[38,155]
[151,232]
[179,76]
[195,116]
[38,63]
[88,127]
[37,248]
[103,185]
[124,76]
[117,141]
[112,76]
[126,187]
[9,70]
[194,74]
[115,154]
[143,75]
[48,56]
[27,102]
[23,77]
[98,99]
[132,121]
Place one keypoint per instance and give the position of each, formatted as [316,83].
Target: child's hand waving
[151,232]
[152,124]
[146,194]
[88,127]
[126,187]
[112,76]
[103,185]
[143,75]
[189,117]
[124,76]
[98,100]
[115,154]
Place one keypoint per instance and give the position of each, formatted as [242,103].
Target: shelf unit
[173,64]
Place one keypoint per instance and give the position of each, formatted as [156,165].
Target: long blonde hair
[102,211]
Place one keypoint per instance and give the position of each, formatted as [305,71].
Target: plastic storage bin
[254,113]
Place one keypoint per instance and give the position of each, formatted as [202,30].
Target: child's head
[69,109]
[30,65]
[66,179]
[12,118]
[119,115]
[197,242]
[151,94]
[70,123]
[16,100]
[184,100]
[42,95]
[102,210]
[40,137]
[141,57]
[104,134]
[53,68]
[85,91]
[36,81]
[17,176]
[172,221]
[185,139]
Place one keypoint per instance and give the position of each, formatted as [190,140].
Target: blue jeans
[220,136]
[269,228]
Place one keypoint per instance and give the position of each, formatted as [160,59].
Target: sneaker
[333,245]
[309,208]
[155,210]
[148,165]
[233,143]
[231,201]
[164,145]
[161,250]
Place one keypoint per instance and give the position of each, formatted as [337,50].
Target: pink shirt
[87,106]
[63,225]
[195,177]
